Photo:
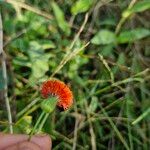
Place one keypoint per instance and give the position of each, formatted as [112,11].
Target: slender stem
[5,78]
[75,128]
[80,31]
[28,112]
[141,116]
[118,133]
[118,83]
[107,67]
[69,53]
[30,8]
[43,122]
[119,25]
[37,123]
[28,107]
[123,19]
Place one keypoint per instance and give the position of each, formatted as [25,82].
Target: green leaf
[138,7]
[39,67]
[132,35]
[21,61]
[20,44]
[39,60]
[108,22]
[107,50]
[46,44]
[62,23]
[104,37]
[81,6]
[141,6]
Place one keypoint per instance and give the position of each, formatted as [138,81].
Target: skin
[21,142]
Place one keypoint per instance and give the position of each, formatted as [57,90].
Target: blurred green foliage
[103,109]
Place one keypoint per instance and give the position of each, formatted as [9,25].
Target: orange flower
[60,90]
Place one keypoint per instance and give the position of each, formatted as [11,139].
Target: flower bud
[49,104]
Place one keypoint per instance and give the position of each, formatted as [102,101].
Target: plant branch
[71,54]
[30,8]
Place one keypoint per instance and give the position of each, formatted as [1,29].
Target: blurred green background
[101,49]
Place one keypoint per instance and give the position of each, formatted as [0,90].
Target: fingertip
[24,146]
[43,140]
[49,141]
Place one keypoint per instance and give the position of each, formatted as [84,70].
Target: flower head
[60,90]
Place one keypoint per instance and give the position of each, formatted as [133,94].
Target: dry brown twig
[70,54]
[30,8]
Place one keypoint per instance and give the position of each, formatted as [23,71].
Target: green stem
[28,112]
[141,116]
[37,123]
[28,107]
[43,122]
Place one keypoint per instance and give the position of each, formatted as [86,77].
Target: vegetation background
[100,48]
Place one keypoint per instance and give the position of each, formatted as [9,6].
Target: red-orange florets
[60,90]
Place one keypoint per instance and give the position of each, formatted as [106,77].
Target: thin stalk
[141,116]
[28,107]
[43,122]
[107,67]
[69,55]
[124,18]
[28,112]
[37,123]
[118,83]
[118,133]
[30,8]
